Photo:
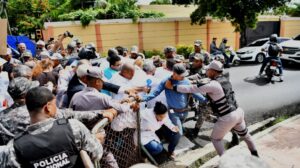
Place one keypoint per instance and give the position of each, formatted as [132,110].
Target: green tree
[241,13]
[295,11]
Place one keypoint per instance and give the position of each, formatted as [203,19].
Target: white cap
[215,65]
[40,42]
[82,70]
[44,55]
[95,72]
[134,49]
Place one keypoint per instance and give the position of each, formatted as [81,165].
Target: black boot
[235,140]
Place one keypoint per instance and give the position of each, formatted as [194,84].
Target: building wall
[290,27]
[151,34]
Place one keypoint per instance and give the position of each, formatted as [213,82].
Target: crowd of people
[51,100]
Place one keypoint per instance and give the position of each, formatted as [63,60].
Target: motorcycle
[235,61]
[272,70]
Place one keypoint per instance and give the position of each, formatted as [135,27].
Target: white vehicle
[291,50]
[253,51]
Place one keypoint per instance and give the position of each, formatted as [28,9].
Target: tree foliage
[295,11]
[241,13]
[29,15]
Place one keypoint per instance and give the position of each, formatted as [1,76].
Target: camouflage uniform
[84,140]
[16,118]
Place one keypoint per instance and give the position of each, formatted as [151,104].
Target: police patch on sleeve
[55,161]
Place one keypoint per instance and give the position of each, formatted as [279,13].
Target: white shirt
[162,73]
[5,98]
[149,125]
[161,97]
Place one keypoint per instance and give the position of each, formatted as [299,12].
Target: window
[257,43]
[297,38]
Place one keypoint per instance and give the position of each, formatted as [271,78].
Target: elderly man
[124,78]
[21,49]
[10,62]
[90,98]
[40,47]
[52,142]
[15,119]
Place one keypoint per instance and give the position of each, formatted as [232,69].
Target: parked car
[291,50]
[253,51]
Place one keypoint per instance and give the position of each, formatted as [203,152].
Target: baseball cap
[134,49]
[44,55]
[94,72]
[215,65]
[56,56]
[179,58]
[198,56]
[180,70]
[27,54]
[198,43]
[20,86]
[40,42]
[148,66]
[169,49]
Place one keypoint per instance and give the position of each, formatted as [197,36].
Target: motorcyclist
[223,49]
[274,51]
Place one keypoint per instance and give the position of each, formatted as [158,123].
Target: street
[257,97]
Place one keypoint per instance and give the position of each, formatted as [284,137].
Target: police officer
[49,142]
[198,50]
[15,119]
[230,116]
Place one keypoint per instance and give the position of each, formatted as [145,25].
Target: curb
[197,157]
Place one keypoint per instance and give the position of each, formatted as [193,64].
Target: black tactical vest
[227,103]
[54,148]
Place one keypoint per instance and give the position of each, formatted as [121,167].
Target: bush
[185,50]
[149,54]
[160,2]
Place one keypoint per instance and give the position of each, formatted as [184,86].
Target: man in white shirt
[152,120]
[152,83]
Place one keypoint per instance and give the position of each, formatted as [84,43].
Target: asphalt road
[257,97]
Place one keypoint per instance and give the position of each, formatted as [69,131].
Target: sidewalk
[278,146]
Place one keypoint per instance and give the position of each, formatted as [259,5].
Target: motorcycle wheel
[236,62]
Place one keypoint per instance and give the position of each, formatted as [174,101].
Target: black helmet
[87,53]
[224,40]
[273,38]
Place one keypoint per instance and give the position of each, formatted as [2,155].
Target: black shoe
[235,140]
[254,153]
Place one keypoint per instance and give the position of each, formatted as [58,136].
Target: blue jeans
[154,147]
[267,60]
[170,136]
[177,119]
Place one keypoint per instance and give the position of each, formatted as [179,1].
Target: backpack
[273,50]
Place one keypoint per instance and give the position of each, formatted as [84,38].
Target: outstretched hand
[169,85]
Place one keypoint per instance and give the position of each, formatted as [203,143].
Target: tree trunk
[243,38]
